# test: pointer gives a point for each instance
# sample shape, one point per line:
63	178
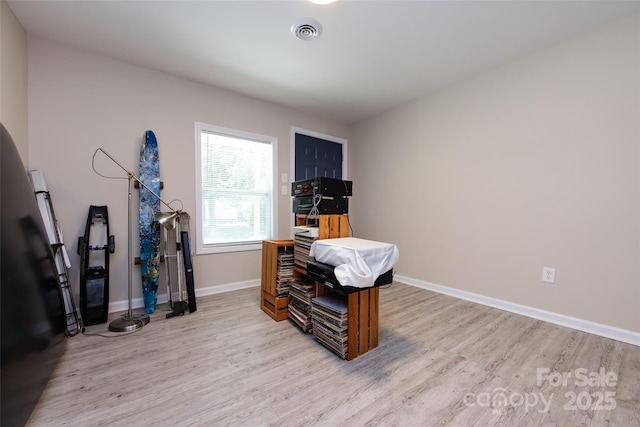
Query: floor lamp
128	321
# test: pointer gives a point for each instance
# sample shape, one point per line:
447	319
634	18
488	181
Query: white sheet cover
358	262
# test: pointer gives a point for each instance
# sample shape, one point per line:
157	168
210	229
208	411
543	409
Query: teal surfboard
149	226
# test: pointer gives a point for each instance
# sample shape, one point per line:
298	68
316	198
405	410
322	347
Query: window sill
218	249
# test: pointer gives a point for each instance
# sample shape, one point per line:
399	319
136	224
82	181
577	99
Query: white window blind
235	191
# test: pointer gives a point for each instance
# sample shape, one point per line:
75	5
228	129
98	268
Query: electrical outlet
548	274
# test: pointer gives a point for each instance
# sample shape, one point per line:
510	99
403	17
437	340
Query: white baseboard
606	331
135	303
211	290
200	292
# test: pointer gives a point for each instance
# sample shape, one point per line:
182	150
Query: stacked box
301	291
301	248
284	273
329	318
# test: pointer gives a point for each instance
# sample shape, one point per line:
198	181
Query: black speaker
94	266
32	311
93	307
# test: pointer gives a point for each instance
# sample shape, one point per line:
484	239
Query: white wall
13	79
80	101
480	185
534	164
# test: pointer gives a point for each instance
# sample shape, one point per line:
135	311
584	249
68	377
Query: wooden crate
329	226
363	307
274	306
363	321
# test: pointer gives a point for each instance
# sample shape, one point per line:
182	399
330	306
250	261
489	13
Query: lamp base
128	323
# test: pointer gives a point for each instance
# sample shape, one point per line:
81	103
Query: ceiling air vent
306	29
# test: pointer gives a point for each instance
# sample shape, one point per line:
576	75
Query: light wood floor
441	361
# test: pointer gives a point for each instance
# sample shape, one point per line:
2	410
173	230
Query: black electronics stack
321	196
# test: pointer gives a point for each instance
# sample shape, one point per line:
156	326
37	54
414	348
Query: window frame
202	248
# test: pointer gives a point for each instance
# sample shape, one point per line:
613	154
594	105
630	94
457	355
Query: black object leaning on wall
32	311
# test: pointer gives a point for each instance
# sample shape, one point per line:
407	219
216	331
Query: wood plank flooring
440	361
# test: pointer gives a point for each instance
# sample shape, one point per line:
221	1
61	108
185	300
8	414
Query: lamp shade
167	219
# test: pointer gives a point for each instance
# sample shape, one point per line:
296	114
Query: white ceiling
371	56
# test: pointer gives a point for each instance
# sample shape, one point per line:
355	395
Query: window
235	189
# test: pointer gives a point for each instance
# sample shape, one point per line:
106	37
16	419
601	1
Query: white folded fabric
358	262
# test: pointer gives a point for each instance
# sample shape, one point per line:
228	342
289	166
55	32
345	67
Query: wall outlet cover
548	274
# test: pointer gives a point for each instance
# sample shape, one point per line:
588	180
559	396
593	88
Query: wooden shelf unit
270	302
363	319
362	305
